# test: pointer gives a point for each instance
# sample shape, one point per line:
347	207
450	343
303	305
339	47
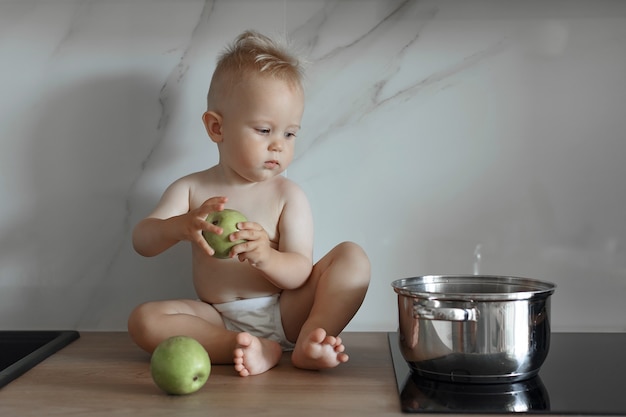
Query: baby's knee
353	252
355	257
139	322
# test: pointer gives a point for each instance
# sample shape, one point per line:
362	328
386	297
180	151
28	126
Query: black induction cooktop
584	374
22	350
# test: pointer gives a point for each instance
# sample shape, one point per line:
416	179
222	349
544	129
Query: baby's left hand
257	249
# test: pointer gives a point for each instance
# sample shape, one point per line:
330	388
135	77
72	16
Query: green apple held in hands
227	219
180	365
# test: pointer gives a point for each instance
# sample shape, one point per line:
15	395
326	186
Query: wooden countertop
105	374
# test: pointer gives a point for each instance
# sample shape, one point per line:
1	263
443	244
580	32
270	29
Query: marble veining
431	128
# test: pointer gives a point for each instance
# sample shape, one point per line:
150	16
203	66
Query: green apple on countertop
227	219
180	365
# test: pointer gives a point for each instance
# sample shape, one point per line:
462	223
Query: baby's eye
290	135
263	131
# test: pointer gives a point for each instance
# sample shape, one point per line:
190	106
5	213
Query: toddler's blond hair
254	53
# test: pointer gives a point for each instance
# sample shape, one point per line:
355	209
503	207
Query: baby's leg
317	312
151	323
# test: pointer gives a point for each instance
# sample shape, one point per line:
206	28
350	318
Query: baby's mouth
271	164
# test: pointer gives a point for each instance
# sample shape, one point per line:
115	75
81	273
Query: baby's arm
288	266
172	221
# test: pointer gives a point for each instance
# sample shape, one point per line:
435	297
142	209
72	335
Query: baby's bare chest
259	206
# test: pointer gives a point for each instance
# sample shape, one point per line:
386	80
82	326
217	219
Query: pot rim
525	288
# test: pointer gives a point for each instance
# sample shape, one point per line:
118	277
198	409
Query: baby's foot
318	351
253	356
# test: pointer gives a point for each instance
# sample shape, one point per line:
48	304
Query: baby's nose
276	146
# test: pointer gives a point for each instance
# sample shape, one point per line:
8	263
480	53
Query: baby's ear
213	125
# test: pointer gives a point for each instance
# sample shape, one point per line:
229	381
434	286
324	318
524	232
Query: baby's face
261	119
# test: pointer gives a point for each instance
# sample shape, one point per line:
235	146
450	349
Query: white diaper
258	316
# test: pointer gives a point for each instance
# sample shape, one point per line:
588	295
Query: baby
268	297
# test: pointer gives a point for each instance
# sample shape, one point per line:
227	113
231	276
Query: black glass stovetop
584	374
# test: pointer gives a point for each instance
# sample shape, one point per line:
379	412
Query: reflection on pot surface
426	395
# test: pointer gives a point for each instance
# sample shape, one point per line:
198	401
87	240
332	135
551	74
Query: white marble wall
432	128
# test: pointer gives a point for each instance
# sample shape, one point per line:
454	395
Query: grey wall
432	128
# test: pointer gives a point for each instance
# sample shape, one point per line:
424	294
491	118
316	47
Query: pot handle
444	313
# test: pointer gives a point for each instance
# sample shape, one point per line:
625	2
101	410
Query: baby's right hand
196	223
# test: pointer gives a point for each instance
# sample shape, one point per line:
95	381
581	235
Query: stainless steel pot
474	328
